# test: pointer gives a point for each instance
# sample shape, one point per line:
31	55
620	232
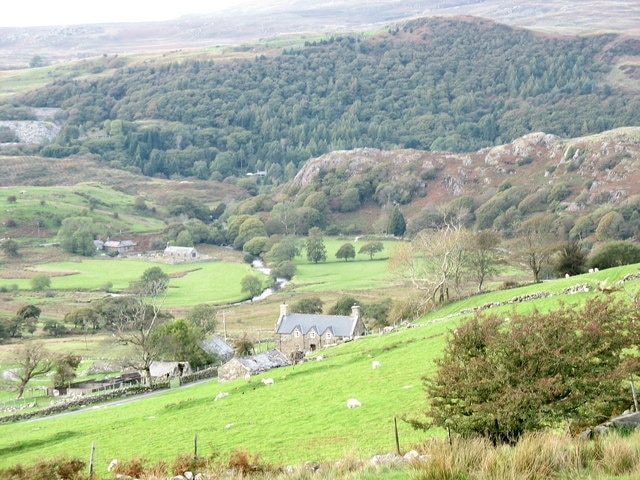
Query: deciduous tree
76	235
65	369
615	254
571	259
482	256
154	282
31	360
371	248
343	305
204	315
180	340
536	242
346	251
252	285
243	345
40	282
316	250
10	248
308	305
433	262
500	378
285	250
135	320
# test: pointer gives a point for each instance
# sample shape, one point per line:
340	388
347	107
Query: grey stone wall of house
231	370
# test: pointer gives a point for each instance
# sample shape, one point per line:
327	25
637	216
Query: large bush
615	254
501	377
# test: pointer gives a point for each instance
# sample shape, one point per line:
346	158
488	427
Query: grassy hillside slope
303	416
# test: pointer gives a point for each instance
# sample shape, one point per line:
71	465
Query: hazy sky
21	13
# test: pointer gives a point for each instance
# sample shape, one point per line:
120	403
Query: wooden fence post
92	459
395	428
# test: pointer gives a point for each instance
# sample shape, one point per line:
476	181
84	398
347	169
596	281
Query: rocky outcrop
32	131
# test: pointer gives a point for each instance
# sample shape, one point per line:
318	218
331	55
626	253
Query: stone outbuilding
169	369
303	332
181	254
244	367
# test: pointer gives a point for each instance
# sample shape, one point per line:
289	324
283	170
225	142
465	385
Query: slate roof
262	362
217	345
339	325
119	243
160	369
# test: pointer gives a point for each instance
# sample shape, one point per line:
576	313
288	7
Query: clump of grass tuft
537	456
62	468
135	468
451	461
620	456
243	462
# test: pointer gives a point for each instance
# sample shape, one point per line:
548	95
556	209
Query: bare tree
433	262
32	360
482	256
536	242
136	321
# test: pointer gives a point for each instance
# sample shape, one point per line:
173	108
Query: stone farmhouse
181	254
302	332
244	367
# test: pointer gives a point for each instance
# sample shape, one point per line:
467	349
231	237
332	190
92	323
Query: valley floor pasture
217	282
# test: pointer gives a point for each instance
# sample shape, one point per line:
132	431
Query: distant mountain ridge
259	21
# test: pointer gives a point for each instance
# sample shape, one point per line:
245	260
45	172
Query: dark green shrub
615	254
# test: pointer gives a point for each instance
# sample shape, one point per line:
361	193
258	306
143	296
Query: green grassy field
360	273
303	416
47	206
303	412
190	284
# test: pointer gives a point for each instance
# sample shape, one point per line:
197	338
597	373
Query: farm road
121	401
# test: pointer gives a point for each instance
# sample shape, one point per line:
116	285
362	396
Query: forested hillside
432	84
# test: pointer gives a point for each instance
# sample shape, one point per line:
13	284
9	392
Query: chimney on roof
284	309
355	312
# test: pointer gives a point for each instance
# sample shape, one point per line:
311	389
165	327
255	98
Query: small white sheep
267	381
220	395
353	403
375	364
566	275
112	465
591	270
596	269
